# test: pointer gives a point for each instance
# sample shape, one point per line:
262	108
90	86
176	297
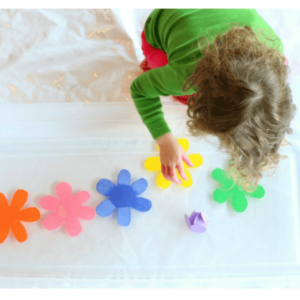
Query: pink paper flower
67	208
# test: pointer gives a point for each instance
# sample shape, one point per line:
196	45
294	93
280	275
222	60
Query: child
235	86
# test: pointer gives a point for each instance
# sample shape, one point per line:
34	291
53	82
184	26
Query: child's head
243	98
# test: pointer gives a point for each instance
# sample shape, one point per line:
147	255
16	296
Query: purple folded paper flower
197	221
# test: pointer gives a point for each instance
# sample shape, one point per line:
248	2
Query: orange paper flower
12	216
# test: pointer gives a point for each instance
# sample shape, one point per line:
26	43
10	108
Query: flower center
61	212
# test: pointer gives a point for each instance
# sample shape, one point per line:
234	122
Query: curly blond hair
243	98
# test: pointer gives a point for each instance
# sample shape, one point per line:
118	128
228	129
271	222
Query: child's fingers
163	169
186	159
181	171
168	173
164	172
173	175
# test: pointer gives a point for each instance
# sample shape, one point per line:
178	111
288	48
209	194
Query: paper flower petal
153	164
4	231
184	143
80	198
30	214
19	231
193	216
186	183
204	217
196	159
64	191
221	196
199	228
105	208
3	202
199	225
162	181
141	204
105	187
53	221
124	177
139	186
239	201
73	226
86	213
19	199
258	193
220	175
187	220
124	216
49	203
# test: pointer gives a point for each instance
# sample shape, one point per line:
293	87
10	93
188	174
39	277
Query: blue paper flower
122	197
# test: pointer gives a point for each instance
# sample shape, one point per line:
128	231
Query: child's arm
145	92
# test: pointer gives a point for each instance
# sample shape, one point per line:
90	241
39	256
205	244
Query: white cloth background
66	115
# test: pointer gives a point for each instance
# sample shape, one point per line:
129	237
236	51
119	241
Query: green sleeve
145	92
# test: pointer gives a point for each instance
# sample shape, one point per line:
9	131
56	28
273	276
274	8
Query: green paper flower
237	194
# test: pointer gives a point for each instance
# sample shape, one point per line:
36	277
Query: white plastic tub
41	150
66	115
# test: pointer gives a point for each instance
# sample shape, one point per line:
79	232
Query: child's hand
171	157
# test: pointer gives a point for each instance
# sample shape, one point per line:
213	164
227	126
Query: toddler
232	77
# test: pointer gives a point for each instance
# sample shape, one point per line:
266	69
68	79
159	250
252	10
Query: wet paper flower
236	193
122	197
153	164
11	216
67	208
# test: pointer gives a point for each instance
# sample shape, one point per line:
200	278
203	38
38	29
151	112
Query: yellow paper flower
153	164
